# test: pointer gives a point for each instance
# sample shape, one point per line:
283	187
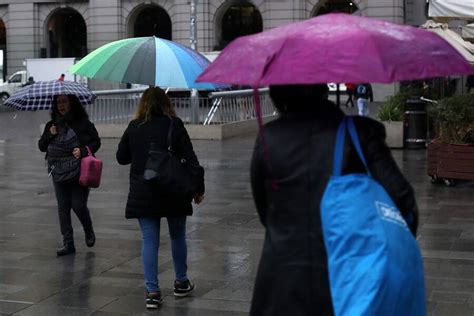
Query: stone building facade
72	28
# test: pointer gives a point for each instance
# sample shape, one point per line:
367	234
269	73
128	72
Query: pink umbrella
335	48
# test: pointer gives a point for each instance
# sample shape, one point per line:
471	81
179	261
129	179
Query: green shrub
392	110
454	119
394	107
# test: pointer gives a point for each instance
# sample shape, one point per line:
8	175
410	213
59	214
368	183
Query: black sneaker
65	250
153	300
183	288
90	239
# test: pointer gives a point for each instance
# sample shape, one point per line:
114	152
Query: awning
443	10
464	47
468	32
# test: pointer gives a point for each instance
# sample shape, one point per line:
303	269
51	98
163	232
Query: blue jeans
363	105
150	227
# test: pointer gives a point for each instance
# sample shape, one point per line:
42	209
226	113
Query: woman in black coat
147	202
292	277
64	140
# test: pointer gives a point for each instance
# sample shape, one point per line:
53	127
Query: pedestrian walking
65	140
30	81
289	173
363	95
149	203
350	88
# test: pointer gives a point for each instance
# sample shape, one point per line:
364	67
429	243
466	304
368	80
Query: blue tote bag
375	266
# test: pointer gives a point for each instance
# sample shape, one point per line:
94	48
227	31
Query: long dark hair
293	98
76	111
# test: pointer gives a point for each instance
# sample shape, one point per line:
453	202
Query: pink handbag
91	170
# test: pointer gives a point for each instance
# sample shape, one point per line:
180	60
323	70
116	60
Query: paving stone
224	236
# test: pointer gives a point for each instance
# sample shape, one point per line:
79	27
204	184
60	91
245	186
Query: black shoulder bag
170	174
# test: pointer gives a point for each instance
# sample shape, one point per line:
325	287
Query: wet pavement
224	236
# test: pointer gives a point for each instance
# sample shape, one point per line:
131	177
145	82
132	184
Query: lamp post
192	21
193	41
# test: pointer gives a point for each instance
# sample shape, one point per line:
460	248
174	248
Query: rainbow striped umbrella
146	60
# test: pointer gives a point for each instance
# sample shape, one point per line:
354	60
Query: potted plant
391	115
451	154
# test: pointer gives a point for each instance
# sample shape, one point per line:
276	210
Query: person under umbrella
294	257
288	181
155	121
30	81
64	140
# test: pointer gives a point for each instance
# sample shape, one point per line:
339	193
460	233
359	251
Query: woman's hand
76	153
53	130
198	198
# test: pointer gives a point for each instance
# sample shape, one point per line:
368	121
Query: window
15	79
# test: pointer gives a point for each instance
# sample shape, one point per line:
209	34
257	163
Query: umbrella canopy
444	10
468	32
335	48
39	96
145	60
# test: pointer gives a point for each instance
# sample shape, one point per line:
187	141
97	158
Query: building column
105	23
105	26
21	41
389	10
276	12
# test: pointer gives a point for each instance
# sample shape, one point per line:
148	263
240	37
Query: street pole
192	21
193	40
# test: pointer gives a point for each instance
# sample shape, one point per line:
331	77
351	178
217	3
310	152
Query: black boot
90	239
65	250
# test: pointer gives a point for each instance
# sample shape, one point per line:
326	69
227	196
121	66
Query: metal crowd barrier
237	105
118	106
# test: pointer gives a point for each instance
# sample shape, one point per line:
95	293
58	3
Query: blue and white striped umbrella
39	96
146	60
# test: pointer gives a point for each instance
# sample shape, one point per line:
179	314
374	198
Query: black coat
292	277
144	200
85	131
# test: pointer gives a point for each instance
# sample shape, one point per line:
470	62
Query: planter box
394	132
450	161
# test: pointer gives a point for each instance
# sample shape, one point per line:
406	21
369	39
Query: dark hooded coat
144	200
292	277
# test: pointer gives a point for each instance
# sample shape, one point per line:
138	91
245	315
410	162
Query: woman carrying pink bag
69	141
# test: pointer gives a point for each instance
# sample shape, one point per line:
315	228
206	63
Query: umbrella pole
194	93
338	95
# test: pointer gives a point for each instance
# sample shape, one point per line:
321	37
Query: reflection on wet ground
224	236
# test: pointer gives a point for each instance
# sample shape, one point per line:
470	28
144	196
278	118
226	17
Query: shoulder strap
339	148
89	152
346	123
170	134
356	142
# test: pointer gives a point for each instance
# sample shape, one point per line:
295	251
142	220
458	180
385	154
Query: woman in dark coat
292	277
148	203
64	140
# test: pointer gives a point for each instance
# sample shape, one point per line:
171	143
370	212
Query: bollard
415	124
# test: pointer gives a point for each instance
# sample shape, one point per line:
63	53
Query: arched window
67	34
333	6
152	20
239	20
